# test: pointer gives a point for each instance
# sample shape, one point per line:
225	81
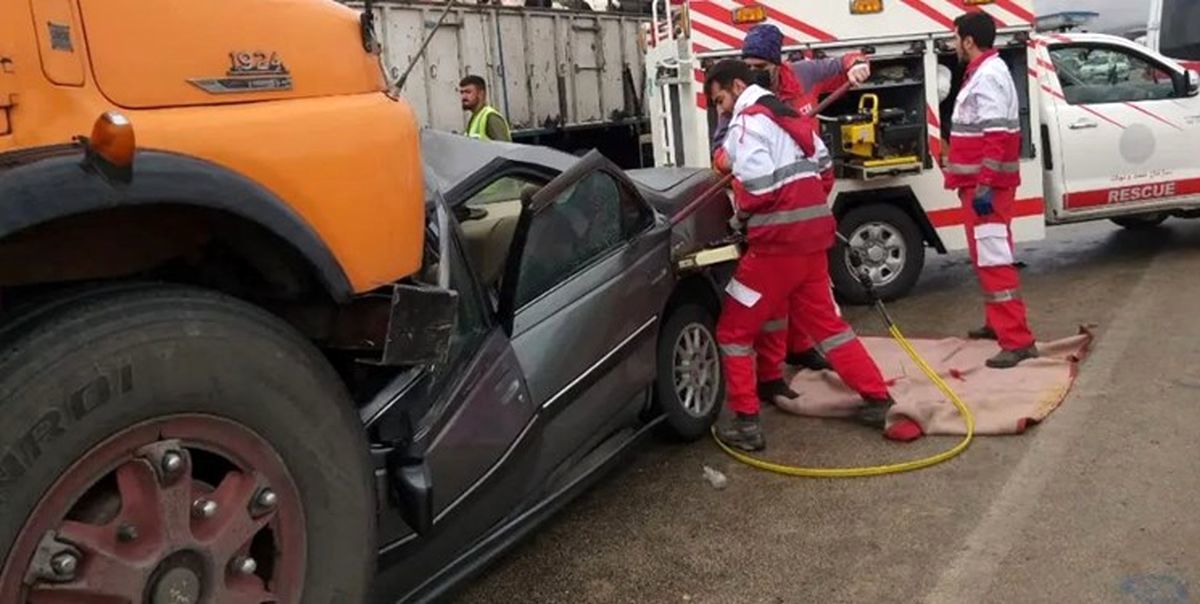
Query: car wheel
1140	221
690	386
890	245
169	444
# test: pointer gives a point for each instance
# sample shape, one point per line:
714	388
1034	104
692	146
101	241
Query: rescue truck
1109	127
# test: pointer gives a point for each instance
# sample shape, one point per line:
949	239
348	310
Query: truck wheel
690	385
165	444
1140	221
890	245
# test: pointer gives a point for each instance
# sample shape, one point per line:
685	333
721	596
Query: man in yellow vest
486	122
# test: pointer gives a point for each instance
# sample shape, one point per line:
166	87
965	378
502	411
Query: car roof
451	159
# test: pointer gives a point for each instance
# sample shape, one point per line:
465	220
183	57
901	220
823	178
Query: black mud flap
420	326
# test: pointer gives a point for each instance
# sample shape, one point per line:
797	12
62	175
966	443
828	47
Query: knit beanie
764	42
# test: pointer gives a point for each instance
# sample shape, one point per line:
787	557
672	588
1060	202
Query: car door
582	293
463	429
1123	129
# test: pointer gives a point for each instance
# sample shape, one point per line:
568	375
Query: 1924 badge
249	72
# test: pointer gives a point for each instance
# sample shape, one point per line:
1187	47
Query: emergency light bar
755	13
866	7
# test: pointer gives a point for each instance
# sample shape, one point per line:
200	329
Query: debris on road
715	478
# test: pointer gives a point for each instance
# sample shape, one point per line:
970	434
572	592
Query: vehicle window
489	223
583	223
1091	75
503	190
1180	39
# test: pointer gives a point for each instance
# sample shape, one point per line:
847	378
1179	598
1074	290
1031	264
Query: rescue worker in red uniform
799	85
780	195
984	167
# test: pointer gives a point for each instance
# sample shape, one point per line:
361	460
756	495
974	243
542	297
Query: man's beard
762	77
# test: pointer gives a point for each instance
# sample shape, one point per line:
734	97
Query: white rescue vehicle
1110	128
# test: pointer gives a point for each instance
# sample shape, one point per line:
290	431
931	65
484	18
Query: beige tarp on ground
1004	401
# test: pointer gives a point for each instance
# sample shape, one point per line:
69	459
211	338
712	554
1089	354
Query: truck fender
39	187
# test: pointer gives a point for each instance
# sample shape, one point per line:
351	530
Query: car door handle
1082	123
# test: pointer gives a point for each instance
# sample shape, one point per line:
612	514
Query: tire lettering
16	461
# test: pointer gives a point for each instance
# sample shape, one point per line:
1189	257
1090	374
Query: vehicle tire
1140	221
167	440
892	248
691	397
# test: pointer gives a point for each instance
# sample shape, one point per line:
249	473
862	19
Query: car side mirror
1192	82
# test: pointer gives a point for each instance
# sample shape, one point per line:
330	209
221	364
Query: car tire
1140	221
687	340
889	232
125	394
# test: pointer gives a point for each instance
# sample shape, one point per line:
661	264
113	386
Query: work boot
982	333
744	432
873	412
767	391
808	359
1009	358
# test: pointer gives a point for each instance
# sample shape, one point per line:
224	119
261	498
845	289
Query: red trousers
990	241
766	288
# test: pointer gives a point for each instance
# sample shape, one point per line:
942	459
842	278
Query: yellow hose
906	466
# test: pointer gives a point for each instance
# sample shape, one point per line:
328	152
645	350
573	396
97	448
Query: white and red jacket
782	176
985	138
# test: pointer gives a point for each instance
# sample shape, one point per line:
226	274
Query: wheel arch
47	193
902	197
700	288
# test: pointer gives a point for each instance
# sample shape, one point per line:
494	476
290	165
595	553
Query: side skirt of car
510	532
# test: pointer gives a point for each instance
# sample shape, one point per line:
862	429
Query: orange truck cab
213	233
269	115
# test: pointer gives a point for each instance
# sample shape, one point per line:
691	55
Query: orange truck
211	214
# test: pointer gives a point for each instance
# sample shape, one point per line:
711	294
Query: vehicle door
460	426
582	293
1125	129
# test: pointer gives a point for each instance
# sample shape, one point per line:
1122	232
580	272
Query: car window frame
592	162
1178	80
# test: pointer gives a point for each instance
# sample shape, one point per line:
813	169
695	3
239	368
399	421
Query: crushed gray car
575	336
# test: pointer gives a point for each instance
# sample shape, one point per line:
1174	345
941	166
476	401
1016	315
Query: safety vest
785	202
477	127
985	135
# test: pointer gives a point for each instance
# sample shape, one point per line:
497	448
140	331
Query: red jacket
780	184
801	85
985	137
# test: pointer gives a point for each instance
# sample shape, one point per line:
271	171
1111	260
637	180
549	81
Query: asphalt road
1097	504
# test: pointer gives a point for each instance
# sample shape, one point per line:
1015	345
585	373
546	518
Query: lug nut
266	499
126	533
243	565
64	565
172	462
204	508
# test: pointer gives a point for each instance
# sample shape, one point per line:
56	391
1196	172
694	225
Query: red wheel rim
185	509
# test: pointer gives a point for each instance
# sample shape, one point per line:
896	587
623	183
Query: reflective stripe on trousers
1006	295
1002	166
775	325
832	342
737	350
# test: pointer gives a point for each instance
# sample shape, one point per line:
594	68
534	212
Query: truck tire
1140	221
891	245
690	386
165	442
